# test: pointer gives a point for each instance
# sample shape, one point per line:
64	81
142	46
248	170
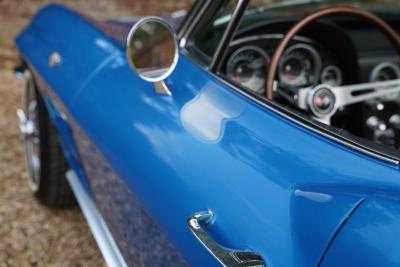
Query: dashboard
340	60
304	63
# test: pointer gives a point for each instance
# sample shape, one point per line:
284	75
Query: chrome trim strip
96	223
330	135
309	125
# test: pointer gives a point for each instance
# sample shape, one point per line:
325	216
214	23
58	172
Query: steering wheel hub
322	101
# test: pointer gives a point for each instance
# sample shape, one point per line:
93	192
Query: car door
274	187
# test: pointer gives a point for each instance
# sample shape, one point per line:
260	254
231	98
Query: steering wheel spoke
351	94
323	101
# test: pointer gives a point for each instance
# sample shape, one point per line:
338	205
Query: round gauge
331	75
385	72
300	66
247	66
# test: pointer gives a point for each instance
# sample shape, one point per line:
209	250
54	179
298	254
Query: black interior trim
341	136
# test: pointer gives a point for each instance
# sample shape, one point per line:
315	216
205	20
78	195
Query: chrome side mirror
152	51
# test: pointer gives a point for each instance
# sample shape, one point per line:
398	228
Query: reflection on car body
245	133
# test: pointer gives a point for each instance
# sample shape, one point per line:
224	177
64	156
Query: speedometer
247	66
299	67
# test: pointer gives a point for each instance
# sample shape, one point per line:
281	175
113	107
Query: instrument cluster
302	65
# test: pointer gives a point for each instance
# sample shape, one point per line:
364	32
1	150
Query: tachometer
247	66
299	67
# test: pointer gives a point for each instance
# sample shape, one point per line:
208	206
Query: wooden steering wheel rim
273	66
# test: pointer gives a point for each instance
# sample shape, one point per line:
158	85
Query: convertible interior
336	62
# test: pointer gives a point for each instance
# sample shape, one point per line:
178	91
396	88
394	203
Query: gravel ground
30	234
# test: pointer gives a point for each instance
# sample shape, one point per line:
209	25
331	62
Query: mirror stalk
162	88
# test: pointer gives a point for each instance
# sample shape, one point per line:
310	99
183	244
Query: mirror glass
152	49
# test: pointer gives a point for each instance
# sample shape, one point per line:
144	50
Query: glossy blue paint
61	124
246	172
275	187
66	138
139	237
56	29
370	238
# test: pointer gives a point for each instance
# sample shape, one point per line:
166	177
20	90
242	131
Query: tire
46	162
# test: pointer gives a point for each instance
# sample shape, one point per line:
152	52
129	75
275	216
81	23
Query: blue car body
149	162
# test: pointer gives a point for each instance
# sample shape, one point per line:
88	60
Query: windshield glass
271	4
211	28
301	7
209	32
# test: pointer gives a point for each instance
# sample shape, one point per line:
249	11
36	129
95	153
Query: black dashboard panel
301	49
338	52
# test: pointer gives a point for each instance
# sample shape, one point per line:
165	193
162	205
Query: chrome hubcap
29	129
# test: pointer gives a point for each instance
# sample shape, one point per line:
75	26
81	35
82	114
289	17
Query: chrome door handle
227	257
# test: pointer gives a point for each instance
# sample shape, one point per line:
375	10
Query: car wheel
46	163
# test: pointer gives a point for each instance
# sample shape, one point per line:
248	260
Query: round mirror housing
152	49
